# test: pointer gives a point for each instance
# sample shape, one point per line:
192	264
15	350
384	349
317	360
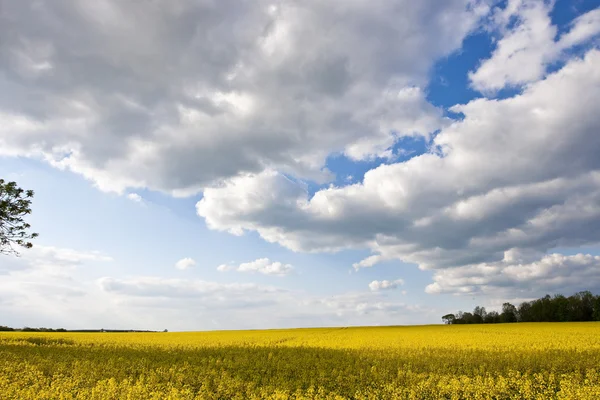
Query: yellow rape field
504	361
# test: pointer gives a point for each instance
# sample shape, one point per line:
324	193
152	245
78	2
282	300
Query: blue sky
323	164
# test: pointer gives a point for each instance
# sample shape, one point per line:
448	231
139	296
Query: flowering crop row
512	361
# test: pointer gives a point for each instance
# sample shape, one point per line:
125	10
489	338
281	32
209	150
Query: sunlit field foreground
506	361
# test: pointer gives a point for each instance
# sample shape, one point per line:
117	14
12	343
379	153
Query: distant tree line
28	329
582	306
6	329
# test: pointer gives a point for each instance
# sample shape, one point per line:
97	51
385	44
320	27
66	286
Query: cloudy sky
204	164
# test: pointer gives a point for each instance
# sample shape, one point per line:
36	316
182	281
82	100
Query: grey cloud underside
515	175
553	273
175	95
187	96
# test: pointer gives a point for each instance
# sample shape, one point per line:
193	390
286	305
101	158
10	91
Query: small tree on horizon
15	204
449	319
509	313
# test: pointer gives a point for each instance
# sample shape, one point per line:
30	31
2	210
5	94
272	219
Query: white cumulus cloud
135	197
134	95
185	263
262	265
385	284
529	45
521	172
